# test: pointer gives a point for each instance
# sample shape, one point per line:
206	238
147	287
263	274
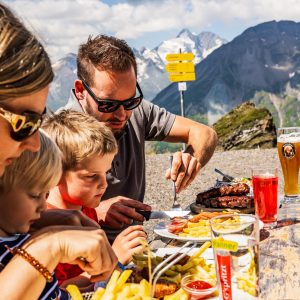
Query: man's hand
117	211
68	217
201	140
185	167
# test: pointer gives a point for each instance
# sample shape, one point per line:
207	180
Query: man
107	88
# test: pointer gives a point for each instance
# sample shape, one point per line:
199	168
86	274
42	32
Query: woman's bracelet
34	262
121	266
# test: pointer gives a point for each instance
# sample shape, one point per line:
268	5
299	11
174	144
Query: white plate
162	230
177	213
242	226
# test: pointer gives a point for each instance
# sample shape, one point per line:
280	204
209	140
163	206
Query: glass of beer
265	193
288	145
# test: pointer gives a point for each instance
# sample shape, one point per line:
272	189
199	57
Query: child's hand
128	242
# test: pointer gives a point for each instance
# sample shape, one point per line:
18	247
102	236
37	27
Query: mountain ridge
264	58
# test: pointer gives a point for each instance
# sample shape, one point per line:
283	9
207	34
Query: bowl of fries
198	287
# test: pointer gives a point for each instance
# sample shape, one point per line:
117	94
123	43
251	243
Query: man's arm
201	140
119	211
68	217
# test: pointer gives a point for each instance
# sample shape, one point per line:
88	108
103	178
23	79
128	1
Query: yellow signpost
180	56
181	69
182	77
187	67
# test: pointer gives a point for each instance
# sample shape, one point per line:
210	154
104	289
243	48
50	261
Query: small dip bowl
198	287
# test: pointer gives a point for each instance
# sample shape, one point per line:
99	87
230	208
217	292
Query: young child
24	188
88	148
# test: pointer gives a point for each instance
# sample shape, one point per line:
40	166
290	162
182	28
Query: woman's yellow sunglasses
24	125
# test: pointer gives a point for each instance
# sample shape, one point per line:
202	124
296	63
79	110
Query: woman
25	75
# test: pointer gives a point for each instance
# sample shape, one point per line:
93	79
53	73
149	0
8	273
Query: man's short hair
31	170
79	136
106	53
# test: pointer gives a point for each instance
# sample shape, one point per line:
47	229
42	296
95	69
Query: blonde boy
24	188
88	148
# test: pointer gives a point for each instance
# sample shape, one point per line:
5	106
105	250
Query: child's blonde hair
79	136
41	169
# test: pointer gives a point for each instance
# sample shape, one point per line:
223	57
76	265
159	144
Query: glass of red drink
265	191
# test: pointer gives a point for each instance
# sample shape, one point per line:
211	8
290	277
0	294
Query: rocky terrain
237	163
246	127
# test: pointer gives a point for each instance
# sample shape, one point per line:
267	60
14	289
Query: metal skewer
166	264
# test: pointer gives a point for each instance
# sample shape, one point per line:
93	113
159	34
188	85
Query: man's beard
117	132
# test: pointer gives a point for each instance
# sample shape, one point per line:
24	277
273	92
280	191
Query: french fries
206	216
247	284
196	265
74	292
198	226
202	249
247	280
98	294
180	294
115	284
119	289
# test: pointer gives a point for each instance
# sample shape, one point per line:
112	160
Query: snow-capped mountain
151	63
152	75
201	45
261	65
65	73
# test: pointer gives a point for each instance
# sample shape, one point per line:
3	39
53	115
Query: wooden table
279	258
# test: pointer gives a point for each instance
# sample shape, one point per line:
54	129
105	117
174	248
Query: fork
176	205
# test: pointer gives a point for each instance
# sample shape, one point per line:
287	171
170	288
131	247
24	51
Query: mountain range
152	75
151	63
64	75
261	65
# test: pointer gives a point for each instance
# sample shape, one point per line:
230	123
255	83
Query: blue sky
64	24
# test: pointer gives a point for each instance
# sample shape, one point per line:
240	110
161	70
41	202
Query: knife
165	214
230	178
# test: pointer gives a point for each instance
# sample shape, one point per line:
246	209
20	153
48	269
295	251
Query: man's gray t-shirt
148	122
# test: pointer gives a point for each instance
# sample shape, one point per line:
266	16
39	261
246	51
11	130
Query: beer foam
266	175
289	138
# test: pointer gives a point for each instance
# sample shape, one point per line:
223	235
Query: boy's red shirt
67	271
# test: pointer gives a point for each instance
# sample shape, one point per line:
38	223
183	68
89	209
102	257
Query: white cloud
64	24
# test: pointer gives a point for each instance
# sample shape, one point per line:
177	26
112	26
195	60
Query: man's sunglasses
108	105
24	125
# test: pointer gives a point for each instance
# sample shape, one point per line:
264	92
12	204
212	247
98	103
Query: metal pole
182	107
182	112
181	103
